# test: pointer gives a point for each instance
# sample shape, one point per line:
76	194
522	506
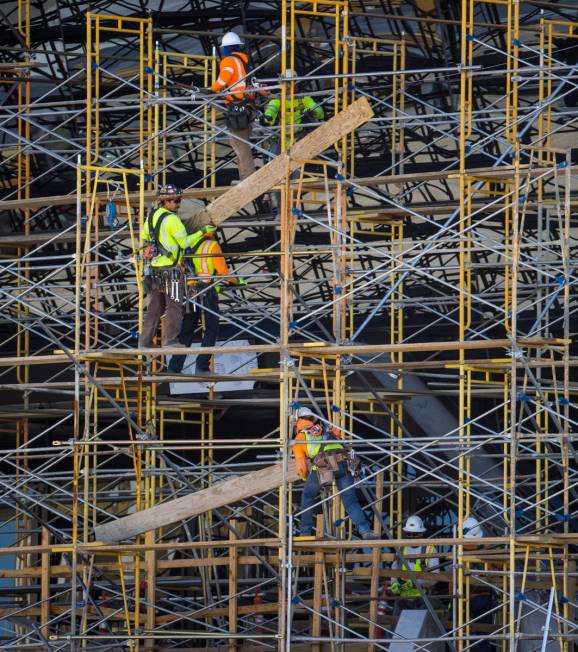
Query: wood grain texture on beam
199	502
274	172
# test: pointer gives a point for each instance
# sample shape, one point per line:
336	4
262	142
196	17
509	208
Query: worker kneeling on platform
321	459
407	590
164	239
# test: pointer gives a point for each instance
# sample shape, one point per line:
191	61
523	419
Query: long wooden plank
219	495
274	172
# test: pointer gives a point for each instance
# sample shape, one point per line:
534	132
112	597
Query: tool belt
170	281
326	463
239	115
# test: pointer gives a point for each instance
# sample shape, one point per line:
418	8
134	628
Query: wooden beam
199	502
274	172
233	600
45	585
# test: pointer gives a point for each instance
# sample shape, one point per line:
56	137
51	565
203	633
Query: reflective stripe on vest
204	264
172	250
417	563
314	444
239	83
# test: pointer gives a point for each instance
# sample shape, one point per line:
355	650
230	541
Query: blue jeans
351	505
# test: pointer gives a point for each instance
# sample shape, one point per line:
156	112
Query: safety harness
154	248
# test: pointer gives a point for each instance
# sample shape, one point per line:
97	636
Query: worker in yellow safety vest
208	267
301	110
319	447
406	589
164	239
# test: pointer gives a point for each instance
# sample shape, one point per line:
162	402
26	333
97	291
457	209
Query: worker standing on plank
164	239
207	263
302	110
320	447
406	589
232	80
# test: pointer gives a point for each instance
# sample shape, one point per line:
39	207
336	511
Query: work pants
242	150
401	604
344	482
209	309
275	148
480	604
159	301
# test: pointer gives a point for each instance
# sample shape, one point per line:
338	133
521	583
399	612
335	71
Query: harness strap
154	229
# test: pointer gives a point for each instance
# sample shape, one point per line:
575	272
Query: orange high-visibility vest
208	261
232	73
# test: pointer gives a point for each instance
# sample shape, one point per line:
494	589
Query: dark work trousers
159	301
209	309
311	495
406	603
480	604
275	148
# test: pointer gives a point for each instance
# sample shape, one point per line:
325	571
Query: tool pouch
326	464
150	251
324	476
238	116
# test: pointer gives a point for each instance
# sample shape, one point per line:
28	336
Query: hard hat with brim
231	38
414	525
169	191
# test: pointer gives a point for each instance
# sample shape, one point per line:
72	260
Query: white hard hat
231	38
414	524
472	528
304	412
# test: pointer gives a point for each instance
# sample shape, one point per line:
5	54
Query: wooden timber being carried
199	502
275	171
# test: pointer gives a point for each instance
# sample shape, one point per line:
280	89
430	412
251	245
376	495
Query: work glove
302	467
395	588
241	281
209	229
408	585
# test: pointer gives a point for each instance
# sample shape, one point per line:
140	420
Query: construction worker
481	598
302	110
472	530
320	448
406	589
207	262
232	80
164	238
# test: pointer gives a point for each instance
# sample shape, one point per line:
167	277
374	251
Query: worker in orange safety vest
232	80
209	265
314	440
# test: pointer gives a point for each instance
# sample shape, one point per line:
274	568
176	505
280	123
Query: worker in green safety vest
406	589
301	110
164	238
